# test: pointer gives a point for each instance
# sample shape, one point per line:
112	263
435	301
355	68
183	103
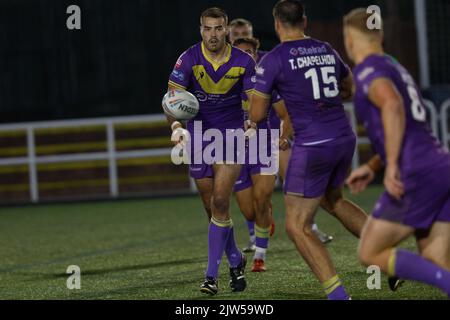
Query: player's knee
365	256
290	230
221	203
298	228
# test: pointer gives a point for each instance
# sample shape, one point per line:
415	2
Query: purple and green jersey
306	74
424	162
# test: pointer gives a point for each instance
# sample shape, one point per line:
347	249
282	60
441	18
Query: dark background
119	62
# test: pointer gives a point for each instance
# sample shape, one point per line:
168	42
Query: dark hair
289	12
240	22
214	12
251	41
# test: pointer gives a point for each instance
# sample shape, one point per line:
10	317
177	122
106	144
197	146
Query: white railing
445	117
32	160
349	108
112	155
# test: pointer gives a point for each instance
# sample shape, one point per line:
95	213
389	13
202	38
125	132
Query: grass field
157	249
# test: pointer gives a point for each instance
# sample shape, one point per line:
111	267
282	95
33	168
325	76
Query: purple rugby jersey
218	88
261	54
424	162
420	148
306	73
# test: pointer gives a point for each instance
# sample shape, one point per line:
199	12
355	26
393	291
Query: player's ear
348	41
276	24
305	22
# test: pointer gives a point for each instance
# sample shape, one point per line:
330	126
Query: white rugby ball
180	104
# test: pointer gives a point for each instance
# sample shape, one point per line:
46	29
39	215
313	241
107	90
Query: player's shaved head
357	19
290	13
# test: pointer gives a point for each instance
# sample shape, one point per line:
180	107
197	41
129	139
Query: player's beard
215	45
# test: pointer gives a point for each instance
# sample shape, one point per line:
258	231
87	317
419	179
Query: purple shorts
203	154
248	169
244	180
201	171
314	168
426	200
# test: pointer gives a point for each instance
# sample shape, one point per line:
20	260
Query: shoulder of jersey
240	53
362	71
192	49
271	52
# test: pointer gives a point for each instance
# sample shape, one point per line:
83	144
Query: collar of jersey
216	65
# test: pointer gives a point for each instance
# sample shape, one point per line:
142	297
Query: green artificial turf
157	249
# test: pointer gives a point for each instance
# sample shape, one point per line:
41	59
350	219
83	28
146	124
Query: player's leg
284	160
309	174
349	214
435	244
378	247
284	156
221	231
243	193
245	202
299	218
205	189
262	193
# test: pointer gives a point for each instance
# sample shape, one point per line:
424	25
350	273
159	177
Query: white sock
260	253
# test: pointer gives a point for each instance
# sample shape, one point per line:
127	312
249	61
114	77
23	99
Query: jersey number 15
328	78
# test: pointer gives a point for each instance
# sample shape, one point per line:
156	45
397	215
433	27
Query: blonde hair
358	18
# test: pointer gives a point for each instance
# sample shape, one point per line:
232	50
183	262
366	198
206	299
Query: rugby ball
180	104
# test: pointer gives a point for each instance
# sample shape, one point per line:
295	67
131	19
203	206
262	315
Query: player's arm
259	106
261	96
179	79
346	84
286	126
257	111
383	94
360	178
179	135
347	87
173	123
